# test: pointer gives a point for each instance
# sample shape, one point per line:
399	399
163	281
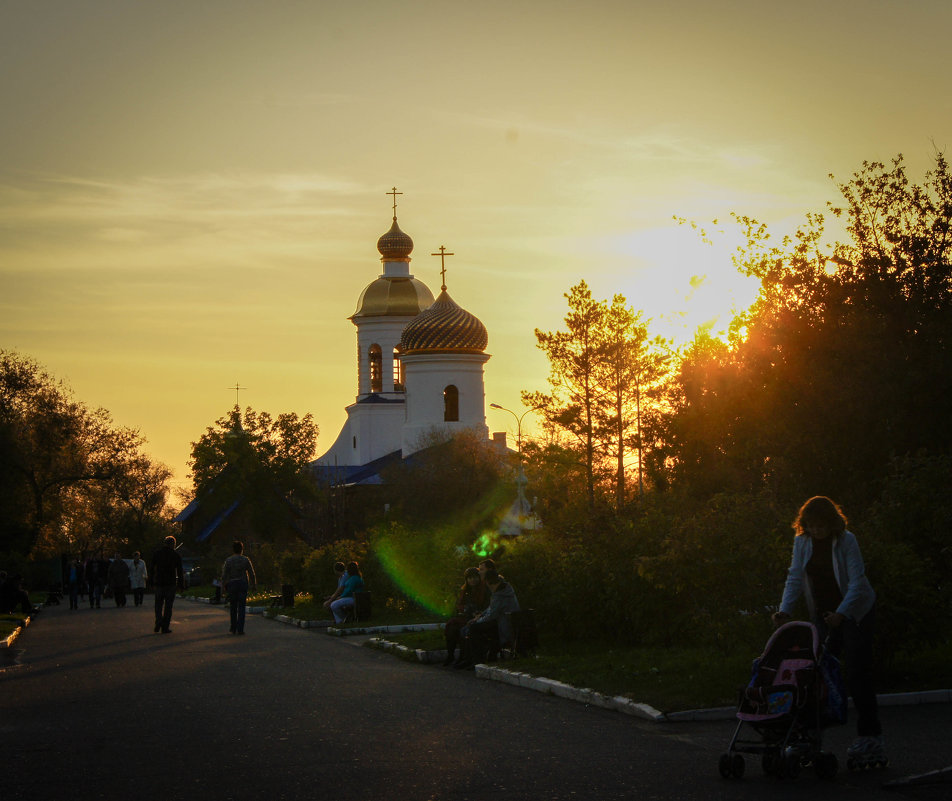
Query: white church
419	370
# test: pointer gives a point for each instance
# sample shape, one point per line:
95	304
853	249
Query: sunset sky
191	192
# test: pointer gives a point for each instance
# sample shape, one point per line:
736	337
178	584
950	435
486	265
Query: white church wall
372	430
427	376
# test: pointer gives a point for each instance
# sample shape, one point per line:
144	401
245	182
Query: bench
525	637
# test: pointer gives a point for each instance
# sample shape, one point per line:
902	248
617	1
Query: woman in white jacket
138	574
827	569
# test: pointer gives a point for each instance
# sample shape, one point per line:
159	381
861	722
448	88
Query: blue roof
206	532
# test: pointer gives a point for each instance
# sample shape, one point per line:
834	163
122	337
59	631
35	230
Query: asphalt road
94	705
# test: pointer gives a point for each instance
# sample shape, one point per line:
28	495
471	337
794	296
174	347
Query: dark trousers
479	639
164	598
74	595
237	595
452	632
137	595
853	643
120	596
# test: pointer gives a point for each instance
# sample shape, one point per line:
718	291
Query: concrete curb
582	695
364	630
404	652
540	684
7	641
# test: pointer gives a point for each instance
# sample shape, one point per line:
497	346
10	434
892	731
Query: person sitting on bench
12	595
492	626
343	604
473	599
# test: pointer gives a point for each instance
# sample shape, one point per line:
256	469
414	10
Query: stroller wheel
826	765
737	766
724	766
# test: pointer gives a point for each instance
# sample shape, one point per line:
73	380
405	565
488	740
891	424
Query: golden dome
444	327
395	245
398	296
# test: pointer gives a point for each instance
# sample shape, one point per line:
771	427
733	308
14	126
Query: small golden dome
444	327
395	245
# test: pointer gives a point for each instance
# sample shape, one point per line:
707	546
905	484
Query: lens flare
427	564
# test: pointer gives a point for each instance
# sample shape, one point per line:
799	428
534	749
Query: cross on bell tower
443	254
394	192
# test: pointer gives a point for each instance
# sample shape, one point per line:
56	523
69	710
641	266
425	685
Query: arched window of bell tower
397	371
450	404
375	361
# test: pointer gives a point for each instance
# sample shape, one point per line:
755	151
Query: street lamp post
518	423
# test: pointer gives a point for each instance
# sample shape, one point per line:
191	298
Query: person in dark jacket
492	626
74	580
473	599
96	570
118	577
166	574
12	595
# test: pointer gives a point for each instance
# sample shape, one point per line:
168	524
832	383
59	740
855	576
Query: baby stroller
795	691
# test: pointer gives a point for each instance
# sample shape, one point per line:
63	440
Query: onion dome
395	245
389	296
444	328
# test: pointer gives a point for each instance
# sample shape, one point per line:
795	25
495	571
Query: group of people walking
99	577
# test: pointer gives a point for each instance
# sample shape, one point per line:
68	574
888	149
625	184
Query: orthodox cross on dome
236	388
394	192
443	254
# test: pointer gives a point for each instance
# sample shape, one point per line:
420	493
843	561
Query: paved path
100	707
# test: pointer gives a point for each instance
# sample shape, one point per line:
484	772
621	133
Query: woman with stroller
827	569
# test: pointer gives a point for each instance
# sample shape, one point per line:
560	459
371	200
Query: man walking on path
166	572
237	575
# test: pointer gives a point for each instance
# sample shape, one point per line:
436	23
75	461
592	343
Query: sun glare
682	283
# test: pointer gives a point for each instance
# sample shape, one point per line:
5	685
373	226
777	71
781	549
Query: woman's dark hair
471	572
339	567
353	569
237	546
820	511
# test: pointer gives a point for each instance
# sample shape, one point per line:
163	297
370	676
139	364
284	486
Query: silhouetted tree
629	370
258	459
604	369
55	452
573	357
844	360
